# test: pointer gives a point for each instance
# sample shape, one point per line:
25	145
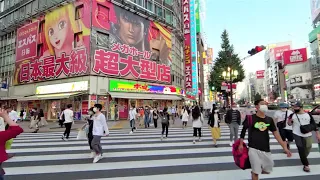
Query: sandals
306	169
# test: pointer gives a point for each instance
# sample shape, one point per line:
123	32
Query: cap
298	104
283	105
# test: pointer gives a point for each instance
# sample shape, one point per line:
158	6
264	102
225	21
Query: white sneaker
194	141
131	132
161	138
97	158
92	154
231	143
200	139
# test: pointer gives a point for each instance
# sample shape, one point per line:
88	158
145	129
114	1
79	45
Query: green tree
257	96
226	58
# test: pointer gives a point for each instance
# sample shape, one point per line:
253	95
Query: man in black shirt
259	140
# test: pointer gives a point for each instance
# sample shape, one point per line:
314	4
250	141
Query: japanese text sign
27	39
260	74
295	56
279	50
126	61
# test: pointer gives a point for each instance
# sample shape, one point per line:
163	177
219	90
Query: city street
143	156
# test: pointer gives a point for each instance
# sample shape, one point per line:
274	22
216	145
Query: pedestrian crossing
142	156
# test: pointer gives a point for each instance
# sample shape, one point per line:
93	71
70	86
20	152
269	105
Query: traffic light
256	50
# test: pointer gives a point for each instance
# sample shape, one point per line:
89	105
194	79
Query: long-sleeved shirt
99	125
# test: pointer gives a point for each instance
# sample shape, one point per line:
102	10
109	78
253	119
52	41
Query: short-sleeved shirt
281	115
258	132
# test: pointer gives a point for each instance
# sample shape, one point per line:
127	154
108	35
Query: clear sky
257	22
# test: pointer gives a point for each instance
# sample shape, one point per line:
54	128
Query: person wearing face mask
259	140
100	129
281	116
302	126
132	117
233	119
90	129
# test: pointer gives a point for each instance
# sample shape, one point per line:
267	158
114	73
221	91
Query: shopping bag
82	135
8	144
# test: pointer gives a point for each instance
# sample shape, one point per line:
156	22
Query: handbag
283	124
82	135
8	144
308	127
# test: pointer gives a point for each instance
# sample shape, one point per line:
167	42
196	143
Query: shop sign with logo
295	56
61	88
142	87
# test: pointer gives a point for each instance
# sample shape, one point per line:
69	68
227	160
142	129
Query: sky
257	22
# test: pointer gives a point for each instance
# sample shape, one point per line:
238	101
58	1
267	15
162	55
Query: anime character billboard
60	40
137	48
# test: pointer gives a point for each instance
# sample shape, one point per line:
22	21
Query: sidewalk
122	124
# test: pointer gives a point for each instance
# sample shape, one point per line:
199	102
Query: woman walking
89	127
155	116
197	121
165	122
214	123
43	122
185	117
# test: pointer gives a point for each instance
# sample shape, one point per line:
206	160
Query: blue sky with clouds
257	22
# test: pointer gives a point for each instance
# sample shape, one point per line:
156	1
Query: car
315	112
308	108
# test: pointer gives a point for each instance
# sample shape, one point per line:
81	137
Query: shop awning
10	98
143	96
49	96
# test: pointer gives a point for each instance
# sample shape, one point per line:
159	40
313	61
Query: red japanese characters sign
128	62
295	56
260	74
279	50
27	39
50	67
187	50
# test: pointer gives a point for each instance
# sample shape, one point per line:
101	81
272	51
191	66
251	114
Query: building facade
118	53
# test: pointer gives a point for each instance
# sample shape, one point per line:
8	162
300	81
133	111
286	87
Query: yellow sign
63	88
211	96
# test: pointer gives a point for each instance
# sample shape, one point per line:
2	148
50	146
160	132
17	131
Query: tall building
118	53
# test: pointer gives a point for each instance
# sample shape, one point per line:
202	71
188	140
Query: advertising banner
197	7
300	79
295	56
210	55
116	85
187	50
27	38
193	42
279	50
260	74
129	46
63	45
315	9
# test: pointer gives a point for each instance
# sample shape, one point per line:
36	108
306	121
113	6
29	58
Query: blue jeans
1	177
146	122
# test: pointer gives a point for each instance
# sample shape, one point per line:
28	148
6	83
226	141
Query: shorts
260	161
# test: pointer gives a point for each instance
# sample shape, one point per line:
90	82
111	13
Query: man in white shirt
13	115
68	116
132	117
281	116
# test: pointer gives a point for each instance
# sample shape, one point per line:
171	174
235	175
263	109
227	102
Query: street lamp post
228	75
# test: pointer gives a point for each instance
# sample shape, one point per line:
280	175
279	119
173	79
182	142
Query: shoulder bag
283	124
305	129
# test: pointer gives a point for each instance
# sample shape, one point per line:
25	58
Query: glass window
77	39
158	10
79	12
168	16
149	5
2	6
102	39
169	2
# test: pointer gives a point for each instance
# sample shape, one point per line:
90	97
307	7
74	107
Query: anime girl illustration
59	29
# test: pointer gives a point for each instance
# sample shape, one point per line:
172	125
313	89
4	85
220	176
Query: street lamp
229	76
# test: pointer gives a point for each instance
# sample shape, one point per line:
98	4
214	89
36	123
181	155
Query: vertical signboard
27	38
193	41
187	48
198	16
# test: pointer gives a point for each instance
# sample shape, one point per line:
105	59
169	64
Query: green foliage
226	58
241	101
257	97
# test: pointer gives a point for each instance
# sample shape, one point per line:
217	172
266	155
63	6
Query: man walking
259	140
68	116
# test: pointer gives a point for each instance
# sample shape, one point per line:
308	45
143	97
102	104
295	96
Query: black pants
286	135
61	123
165	127
90	137
304	145
68	129
184	123
155	122
195	130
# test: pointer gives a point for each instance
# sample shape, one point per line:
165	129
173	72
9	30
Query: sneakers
131	132
92	154
200	139
97	158
161	137
231	143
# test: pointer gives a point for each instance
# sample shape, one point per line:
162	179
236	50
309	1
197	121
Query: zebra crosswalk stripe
142	156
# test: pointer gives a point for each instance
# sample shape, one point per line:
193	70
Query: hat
283	105
298	104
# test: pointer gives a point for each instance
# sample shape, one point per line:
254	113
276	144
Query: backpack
164	118
241	159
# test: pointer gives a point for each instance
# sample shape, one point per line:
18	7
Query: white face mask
283	109
90	112
95	109
263	108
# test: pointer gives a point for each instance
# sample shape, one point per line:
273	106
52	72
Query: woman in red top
13	131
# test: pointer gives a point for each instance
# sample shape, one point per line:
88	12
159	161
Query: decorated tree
226	58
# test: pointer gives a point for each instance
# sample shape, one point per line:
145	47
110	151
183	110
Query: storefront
52	99
124	93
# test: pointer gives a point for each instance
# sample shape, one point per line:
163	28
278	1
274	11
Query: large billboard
260	74
129	46
315	9
295	56
55	45
279	50
194	52
187	47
